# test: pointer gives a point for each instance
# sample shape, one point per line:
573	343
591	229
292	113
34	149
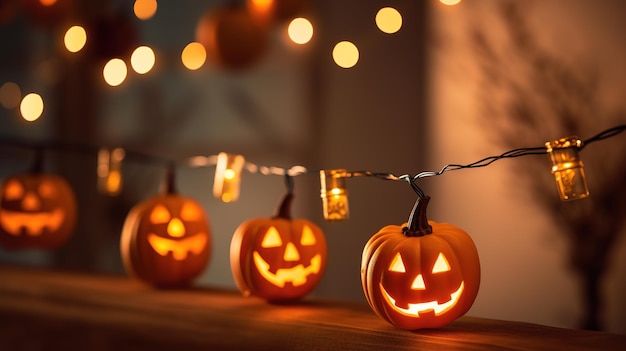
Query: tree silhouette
529	94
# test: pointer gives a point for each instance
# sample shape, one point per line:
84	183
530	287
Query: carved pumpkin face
36	211
166	240
420	281
277	258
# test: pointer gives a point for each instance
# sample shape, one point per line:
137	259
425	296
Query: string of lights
567	169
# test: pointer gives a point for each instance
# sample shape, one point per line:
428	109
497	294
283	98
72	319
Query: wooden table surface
50	310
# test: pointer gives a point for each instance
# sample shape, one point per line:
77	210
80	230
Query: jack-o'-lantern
166	240
233	39
421	274
279	258
37	210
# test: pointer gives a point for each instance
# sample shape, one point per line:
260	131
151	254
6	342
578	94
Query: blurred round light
300	30
75	38
450	2
193	56
142	59
115	72
31	107
388	20
10	95
145	9
345	54
47	2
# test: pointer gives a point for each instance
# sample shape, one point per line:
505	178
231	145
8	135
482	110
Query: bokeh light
145	9
345	54
389	20
75	38
193	56
300	30
10	95
47	2
450	2
31	107
115	72
142	60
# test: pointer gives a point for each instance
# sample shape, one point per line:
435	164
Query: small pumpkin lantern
166	240
37	211
278	258
233	39
421	274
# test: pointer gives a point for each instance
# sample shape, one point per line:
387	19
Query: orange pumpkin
166	240
37	210
233	39
421	274
279	258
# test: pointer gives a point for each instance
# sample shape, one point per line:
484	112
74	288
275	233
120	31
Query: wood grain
52	310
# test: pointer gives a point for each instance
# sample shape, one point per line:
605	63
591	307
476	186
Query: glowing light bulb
450	2
300	30
110	170
567	168
142	59
75	39
345	54
193	56
115	72
388	20
334	194
145	9
31	107
227	176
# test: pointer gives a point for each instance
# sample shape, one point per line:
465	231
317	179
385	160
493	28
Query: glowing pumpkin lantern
279	258
421	274
37	210
166	240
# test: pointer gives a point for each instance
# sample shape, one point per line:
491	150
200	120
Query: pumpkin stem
170	179
38	161
418	223
284	210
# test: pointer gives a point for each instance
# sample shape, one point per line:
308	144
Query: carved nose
291	253
176	228
31	202
418	283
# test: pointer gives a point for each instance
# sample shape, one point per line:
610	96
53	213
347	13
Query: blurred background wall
447	88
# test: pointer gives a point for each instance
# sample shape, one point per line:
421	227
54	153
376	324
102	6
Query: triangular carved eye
308	238
397	265
159	215
441	264
272	238
13	190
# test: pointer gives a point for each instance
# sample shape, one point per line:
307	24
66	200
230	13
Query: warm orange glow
227	176
418	283
300	30
414	309
159	215
308	238
191	212
297	275
10	95
441	264
450	2
389	20
397	265
31	107
567	168
176	228
109	170
345	54
75	39
334	195
193	56
271	238
291	253
145	9
142	59
195	244
47	2
115	72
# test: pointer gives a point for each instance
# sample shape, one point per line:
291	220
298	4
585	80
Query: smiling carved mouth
32	222
178	248
414	309
296	275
